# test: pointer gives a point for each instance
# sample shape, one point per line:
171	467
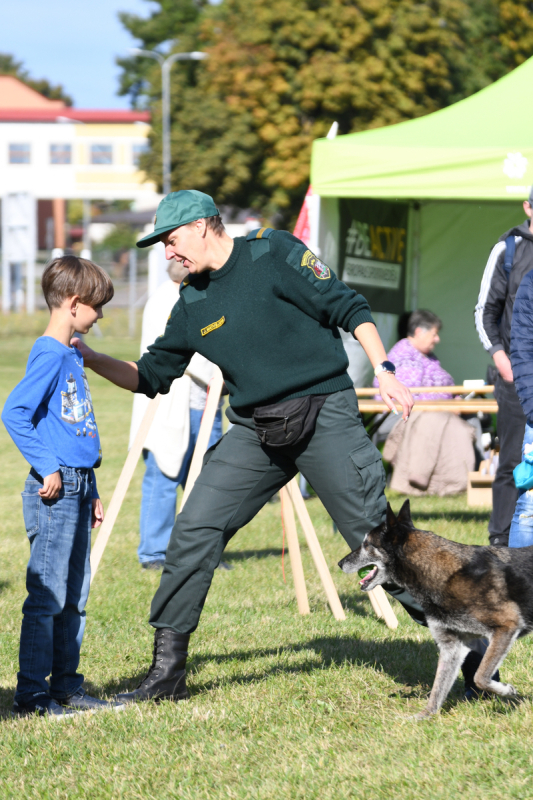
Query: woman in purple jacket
413	357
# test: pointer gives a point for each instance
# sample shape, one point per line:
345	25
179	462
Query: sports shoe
42	705
157	563
81	701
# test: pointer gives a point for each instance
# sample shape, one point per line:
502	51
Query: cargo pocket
367	462
31	502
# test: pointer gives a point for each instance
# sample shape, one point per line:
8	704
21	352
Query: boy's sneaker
42	705
81	701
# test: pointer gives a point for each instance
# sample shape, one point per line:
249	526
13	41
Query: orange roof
15	94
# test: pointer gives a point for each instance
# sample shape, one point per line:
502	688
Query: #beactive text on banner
373	250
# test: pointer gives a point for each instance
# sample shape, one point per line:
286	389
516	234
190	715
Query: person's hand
87	353
503	365
98	513
389	388
51	486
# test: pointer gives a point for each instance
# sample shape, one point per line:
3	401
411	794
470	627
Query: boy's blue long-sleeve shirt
49	415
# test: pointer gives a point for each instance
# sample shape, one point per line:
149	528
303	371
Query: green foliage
75	212
280	72
122	237
9	66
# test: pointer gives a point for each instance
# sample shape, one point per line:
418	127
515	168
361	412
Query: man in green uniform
267	311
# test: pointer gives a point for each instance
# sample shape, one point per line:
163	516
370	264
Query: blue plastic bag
523	474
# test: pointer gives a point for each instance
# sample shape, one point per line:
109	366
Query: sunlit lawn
282	705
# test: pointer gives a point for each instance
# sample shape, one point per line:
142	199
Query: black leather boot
166	677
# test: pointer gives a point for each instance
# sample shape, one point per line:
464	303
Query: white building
50	153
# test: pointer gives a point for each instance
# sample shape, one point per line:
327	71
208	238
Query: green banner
373	242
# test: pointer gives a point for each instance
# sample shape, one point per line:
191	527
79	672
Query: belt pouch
288	422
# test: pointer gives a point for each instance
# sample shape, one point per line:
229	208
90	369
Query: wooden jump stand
291	500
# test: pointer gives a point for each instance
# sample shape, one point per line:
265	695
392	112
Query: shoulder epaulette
259	233
193	293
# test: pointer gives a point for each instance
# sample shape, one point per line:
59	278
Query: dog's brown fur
466	591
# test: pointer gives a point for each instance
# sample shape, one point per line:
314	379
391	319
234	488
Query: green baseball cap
179	208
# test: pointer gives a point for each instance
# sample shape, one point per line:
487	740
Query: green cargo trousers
240	475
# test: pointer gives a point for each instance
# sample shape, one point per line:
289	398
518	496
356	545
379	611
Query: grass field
282	706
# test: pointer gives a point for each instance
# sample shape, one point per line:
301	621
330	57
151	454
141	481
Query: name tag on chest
213	326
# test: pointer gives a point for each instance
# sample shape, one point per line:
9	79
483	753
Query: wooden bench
487	406
479	485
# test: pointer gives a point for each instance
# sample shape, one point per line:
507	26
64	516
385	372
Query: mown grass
282	705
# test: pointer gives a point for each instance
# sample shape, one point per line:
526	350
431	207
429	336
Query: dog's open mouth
369	577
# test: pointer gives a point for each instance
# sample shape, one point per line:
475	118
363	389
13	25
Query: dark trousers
511	424
240	475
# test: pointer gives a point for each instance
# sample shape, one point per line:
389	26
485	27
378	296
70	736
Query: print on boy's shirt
77	406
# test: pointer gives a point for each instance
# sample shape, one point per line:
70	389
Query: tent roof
480	148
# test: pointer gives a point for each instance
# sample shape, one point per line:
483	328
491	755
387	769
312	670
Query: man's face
187	245
528	208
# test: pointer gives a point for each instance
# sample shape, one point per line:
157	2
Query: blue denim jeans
158	504
521	533
57	580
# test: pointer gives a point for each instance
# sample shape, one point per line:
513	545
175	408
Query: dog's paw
507	690
422	716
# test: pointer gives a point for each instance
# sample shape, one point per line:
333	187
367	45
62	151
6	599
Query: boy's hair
69	275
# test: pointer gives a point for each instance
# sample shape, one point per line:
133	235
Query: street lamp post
166	65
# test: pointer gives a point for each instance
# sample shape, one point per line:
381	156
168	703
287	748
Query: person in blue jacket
50	417
521	533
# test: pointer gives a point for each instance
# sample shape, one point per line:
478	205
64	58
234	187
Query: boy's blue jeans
521	533
57	580
158	505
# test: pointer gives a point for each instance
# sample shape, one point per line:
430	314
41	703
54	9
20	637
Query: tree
9	66
281	71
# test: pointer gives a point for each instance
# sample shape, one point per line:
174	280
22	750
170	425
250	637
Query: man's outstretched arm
122	373
389	386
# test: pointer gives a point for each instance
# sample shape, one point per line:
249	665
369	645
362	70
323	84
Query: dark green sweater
268	318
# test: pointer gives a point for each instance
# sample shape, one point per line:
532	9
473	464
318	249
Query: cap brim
155	237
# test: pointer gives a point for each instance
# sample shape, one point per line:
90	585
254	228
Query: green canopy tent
409	213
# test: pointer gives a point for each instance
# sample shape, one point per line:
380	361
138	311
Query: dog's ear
391	518
404	517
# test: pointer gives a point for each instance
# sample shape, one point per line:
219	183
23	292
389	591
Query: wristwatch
385	366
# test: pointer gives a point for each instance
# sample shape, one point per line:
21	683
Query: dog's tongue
367	574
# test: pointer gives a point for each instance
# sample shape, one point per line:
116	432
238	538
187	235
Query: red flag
302	228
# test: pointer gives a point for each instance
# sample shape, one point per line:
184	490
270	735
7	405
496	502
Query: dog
466	592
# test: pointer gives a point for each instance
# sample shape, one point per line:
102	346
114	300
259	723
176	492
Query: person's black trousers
511	424
240	475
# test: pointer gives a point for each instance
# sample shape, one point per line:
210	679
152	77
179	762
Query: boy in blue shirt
50	417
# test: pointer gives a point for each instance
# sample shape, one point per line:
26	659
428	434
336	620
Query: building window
19	153
101	154
60	154
138	150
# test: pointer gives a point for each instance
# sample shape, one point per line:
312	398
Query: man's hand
389	388
122	373
503	365
51	486
98	513
86	351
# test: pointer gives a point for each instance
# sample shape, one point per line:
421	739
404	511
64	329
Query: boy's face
86	316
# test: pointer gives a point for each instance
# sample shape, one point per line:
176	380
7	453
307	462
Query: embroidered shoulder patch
213	326
320	270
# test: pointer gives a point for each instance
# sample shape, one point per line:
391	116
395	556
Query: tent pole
415	255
